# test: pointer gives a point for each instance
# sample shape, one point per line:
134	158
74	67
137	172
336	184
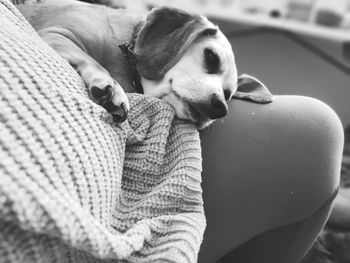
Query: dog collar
128	50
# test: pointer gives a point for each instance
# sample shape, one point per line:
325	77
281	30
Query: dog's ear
250	88
164	37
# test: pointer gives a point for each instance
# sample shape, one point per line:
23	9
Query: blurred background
299	47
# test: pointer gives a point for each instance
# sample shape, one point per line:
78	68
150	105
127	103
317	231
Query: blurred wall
287	68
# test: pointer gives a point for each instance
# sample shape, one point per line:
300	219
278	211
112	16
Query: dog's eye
212	61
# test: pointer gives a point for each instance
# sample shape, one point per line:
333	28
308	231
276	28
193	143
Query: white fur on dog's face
188	83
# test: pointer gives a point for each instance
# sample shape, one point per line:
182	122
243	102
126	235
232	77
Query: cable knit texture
75	186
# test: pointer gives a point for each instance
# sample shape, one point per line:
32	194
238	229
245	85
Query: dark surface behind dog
333	245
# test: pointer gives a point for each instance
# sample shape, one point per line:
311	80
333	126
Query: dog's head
186	60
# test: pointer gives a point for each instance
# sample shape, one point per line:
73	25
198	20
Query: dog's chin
185	111
202	125
196	117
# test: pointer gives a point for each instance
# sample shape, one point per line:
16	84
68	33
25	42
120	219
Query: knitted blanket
74	185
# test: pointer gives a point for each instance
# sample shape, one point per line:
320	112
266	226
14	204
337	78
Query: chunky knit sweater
74	185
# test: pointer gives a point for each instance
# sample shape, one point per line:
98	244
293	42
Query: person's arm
267	166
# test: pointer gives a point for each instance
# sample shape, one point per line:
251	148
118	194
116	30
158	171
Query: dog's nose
219	107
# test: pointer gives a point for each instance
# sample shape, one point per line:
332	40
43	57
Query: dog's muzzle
214	108
219	107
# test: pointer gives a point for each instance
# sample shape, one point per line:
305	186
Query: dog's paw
109	94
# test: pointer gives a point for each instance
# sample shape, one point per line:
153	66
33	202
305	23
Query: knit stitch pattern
74	185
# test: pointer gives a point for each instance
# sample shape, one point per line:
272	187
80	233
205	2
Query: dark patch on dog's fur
165	36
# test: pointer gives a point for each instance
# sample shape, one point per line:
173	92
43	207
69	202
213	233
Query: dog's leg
104	90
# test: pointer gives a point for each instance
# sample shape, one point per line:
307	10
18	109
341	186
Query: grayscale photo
179	131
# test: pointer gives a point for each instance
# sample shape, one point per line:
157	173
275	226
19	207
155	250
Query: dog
181	58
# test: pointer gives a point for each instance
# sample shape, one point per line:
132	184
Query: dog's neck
128	50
